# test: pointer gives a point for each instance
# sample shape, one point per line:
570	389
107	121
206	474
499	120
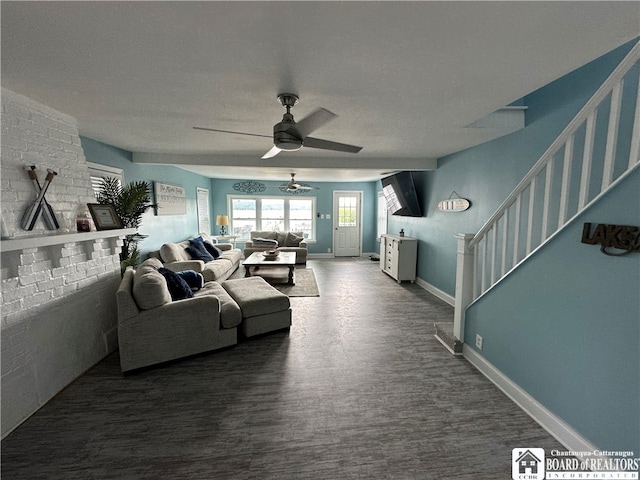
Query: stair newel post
464	283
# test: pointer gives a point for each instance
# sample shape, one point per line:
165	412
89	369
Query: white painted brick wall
46	274
33	134
58	302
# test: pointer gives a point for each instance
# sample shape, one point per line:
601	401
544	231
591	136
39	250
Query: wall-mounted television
400	193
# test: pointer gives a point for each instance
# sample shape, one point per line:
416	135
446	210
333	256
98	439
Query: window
382	214
97	172
347	211
281	214
272	214
204	218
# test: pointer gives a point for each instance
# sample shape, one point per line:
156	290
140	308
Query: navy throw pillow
178	288
194	279
196	250
214	251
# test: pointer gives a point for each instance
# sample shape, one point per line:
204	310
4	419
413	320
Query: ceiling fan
294	186
291	136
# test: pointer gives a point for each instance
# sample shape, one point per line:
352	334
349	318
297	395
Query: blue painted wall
163	229
159	228
487	173
566	327
324	204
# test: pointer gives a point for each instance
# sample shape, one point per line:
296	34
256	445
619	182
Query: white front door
347	235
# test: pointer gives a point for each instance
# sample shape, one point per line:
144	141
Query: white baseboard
331	255
319	255
436	291
553	424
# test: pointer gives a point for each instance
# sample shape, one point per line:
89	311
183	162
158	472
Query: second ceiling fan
289	135
294	186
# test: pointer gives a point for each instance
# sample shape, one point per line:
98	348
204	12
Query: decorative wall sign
454	204
614	240
170	199
249	186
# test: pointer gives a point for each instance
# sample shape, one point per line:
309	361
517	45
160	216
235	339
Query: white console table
225	239
398	257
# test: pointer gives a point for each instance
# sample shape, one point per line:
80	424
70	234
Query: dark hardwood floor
358	389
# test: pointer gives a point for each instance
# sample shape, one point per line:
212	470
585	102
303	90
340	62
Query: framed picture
104	216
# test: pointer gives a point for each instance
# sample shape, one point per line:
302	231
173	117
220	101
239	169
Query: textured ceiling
405	78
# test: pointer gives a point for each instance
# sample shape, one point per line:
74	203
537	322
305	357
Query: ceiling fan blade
327	145
271	153
306	187
313	121
230	131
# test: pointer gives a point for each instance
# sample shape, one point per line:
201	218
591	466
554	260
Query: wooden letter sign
624	238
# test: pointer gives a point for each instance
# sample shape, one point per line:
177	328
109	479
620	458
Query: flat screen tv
400	193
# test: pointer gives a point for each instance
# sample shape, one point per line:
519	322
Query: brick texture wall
58	301
33	134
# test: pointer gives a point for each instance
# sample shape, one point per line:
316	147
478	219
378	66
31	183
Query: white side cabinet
398	257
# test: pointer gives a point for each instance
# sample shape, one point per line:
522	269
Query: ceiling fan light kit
290	136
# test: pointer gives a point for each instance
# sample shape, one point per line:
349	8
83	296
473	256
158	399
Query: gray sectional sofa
153	328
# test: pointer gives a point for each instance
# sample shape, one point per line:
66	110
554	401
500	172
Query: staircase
593	154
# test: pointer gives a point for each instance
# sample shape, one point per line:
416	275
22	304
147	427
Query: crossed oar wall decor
40	205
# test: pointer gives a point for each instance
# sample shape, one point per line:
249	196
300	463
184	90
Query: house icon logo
527	464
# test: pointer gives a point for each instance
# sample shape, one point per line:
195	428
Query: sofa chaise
282	241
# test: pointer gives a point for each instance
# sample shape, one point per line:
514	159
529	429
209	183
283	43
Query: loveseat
176	257
153	328
282	241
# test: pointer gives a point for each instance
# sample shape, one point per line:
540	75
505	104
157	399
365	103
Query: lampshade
222	220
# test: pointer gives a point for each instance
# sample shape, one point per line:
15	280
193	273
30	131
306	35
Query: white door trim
336	194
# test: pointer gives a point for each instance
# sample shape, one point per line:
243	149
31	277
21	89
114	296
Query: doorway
347	223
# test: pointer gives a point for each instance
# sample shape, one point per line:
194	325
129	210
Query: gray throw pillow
292	240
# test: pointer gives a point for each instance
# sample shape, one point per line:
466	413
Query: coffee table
258	261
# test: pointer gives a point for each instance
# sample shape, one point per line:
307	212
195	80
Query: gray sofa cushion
230	315
216	269
255	296
174	252
127	307
149	286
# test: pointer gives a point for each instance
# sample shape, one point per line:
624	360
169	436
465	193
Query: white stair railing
596	151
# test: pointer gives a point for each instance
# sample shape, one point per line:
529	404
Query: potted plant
130	202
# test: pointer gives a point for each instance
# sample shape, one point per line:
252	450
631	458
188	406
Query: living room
485	173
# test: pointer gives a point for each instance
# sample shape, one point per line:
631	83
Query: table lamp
222	221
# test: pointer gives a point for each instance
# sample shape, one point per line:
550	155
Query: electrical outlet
478	342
